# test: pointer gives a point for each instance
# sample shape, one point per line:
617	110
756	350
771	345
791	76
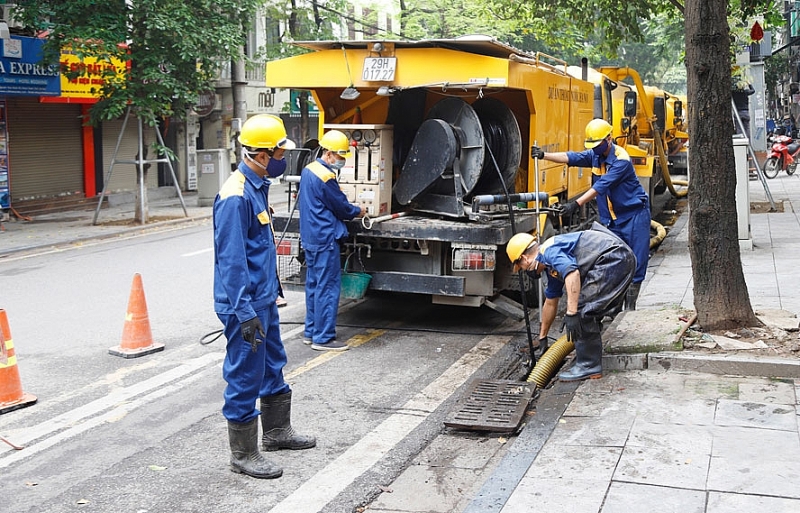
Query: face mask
339	164
600	148
276	167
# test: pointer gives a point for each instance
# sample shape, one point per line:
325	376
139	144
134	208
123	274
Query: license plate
379	69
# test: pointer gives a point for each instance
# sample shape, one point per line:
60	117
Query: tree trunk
720	292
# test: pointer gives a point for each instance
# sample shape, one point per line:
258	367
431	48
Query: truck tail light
472	259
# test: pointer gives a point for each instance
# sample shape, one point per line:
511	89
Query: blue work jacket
323	207
620	195
245	262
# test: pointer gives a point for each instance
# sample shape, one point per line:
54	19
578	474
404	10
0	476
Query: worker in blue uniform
596	267
622	203
245	288
323	210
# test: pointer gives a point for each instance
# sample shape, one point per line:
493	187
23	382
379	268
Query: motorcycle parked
783	156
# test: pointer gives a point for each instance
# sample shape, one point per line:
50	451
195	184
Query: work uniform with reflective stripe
245	286
605	264
323	210
622	203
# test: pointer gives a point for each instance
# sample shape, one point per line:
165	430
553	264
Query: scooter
783	155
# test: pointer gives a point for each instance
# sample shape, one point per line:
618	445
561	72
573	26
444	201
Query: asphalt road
142	435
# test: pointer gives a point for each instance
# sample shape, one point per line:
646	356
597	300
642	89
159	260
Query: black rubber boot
245	457
276	413
588	355
632	295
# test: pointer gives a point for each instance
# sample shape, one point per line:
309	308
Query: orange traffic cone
137	340
11	395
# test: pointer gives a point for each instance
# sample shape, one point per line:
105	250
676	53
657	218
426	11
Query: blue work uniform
605	263
246	286
323	210
622	203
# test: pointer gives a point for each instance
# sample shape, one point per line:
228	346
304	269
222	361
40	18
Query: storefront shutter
45	148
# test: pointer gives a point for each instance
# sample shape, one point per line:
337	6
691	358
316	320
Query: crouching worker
596	268
246	287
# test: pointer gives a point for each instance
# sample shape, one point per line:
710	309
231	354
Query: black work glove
536	152
570	208
573	324
250	331
544	344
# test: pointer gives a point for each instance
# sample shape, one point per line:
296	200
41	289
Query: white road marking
324	486
200	252
121	402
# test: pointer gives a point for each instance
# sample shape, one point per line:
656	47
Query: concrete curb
711	364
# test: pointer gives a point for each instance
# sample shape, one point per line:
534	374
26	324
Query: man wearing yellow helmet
622	203
595	267
245	289
323	210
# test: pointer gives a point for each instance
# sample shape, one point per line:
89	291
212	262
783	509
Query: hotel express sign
22	72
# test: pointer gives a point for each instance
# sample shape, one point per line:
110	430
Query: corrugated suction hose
661	233
550	362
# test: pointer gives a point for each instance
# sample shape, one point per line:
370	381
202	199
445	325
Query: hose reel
448	161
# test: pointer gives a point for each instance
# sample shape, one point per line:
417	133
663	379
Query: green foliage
444	19
174	47
291	21
568	24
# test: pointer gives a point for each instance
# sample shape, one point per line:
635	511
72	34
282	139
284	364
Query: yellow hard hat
517	245
596	132
336	142
265	131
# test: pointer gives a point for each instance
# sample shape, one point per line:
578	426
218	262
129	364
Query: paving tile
553	495
713	387
638	498
752	414
755	461
755	444
575	462
663	466
683	437
610	430
776	478
772	392
737	503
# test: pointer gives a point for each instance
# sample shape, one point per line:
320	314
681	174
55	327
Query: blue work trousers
635	231
249	374
323	287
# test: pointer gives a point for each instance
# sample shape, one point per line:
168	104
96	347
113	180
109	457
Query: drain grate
492	406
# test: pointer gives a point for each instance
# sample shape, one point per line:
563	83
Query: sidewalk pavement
662	436
693	433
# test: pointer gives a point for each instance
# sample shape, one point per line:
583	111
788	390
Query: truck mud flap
417	283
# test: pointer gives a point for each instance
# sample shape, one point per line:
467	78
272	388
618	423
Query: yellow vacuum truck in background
441	132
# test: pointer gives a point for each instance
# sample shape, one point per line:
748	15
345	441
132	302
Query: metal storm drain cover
492	406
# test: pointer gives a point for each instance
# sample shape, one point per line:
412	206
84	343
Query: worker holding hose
622	203
595	267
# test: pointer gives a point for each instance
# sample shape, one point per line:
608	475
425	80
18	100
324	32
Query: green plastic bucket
354	284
